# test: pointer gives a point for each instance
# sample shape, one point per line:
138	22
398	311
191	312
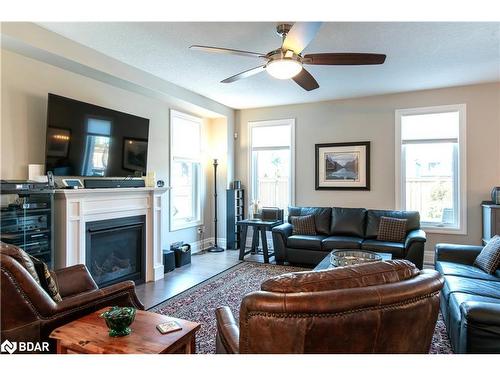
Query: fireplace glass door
115	250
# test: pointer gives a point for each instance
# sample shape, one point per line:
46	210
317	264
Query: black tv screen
87	140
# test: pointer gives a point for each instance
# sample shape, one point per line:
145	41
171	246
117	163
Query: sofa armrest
481	312
285	230
280	236
74	280
228	332
417	235
464	254
122	294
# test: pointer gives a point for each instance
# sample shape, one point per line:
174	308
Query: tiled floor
203	266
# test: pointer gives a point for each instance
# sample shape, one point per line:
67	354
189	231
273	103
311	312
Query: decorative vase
118	319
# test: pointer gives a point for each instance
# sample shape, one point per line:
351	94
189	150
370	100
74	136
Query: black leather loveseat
470	300
346	228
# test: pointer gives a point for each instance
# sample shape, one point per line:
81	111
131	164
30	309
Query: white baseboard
199	246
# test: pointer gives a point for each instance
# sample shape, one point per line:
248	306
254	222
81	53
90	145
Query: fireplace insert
115	250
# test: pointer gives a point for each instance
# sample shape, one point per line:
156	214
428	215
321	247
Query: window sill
438	230
181	226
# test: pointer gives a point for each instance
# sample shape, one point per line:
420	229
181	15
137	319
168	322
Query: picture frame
135	154
58	141
342	166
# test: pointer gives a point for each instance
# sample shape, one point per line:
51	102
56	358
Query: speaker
104	183
495	195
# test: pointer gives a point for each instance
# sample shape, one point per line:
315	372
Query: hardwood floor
203	266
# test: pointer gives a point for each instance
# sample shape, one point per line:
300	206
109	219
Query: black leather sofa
346	228
470	300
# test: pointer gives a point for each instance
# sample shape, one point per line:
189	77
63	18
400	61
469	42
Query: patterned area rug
228	289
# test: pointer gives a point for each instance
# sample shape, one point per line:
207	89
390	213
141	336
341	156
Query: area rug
228	289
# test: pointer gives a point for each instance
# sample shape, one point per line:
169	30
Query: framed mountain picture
343	166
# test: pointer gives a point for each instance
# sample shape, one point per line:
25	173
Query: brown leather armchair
28	313
383	307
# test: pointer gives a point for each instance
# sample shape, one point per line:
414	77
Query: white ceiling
419	56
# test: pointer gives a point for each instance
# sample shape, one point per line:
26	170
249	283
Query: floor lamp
215	248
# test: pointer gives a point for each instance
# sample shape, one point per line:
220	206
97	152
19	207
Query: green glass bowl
118	319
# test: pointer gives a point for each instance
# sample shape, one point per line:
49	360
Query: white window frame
287	122
461	169
197	193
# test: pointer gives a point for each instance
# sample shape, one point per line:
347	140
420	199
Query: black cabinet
27	221
491	220
235	199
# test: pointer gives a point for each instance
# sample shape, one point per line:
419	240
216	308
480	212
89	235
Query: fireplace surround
74	209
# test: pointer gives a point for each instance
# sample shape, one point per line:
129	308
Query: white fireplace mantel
75	208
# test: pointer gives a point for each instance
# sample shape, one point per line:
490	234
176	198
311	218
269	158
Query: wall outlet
201	229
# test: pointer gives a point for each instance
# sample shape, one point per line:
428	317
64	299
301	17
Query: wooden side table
261	226
89	335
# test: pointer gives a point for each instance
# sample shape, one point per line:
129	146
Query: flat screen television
87	140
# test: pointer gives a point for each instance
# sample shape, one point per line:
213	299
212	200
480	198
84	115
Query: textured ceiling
419	56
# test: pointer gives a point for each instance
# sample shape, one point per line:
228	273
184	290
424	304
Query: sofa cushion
304	225
305	242
373	220
47	281
455	284
322	217
489	258
358	276
465	270
348	222
341	242
397	249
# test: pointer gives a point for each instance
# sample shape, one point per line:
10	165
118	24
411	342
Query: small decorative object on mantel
118	319
343	166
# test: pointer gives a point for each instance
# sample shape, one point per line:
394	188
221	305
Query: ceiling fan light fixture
283	68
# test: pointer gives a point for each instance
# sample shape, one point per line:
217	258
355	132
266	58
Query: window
430	166
185	170
272	163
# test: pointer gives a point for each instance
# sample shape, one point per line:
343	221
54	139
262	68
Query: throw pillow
391	229
489	258
47	282
304	225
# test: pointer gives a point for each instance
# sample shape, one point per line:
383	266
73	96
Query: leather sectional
346	228
470	300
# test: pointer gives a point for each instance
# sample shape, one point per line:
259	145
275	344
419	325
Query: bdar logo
9	347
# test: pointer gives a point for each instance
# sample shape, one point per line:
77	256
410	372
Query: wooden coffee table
89	335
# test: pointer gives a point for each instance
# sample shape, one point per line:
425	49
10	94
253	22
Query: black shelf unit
27	221
235	199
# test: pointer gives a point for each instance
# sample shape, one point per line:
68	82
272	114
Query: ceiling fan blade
305	80
227	51
344	59
300	35
245	74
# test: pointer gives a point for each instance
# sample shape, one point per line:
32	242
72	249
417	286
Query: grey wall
25	85
372	119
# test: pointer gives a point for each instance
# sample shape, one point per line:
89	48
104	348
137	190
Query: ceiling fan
287	61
